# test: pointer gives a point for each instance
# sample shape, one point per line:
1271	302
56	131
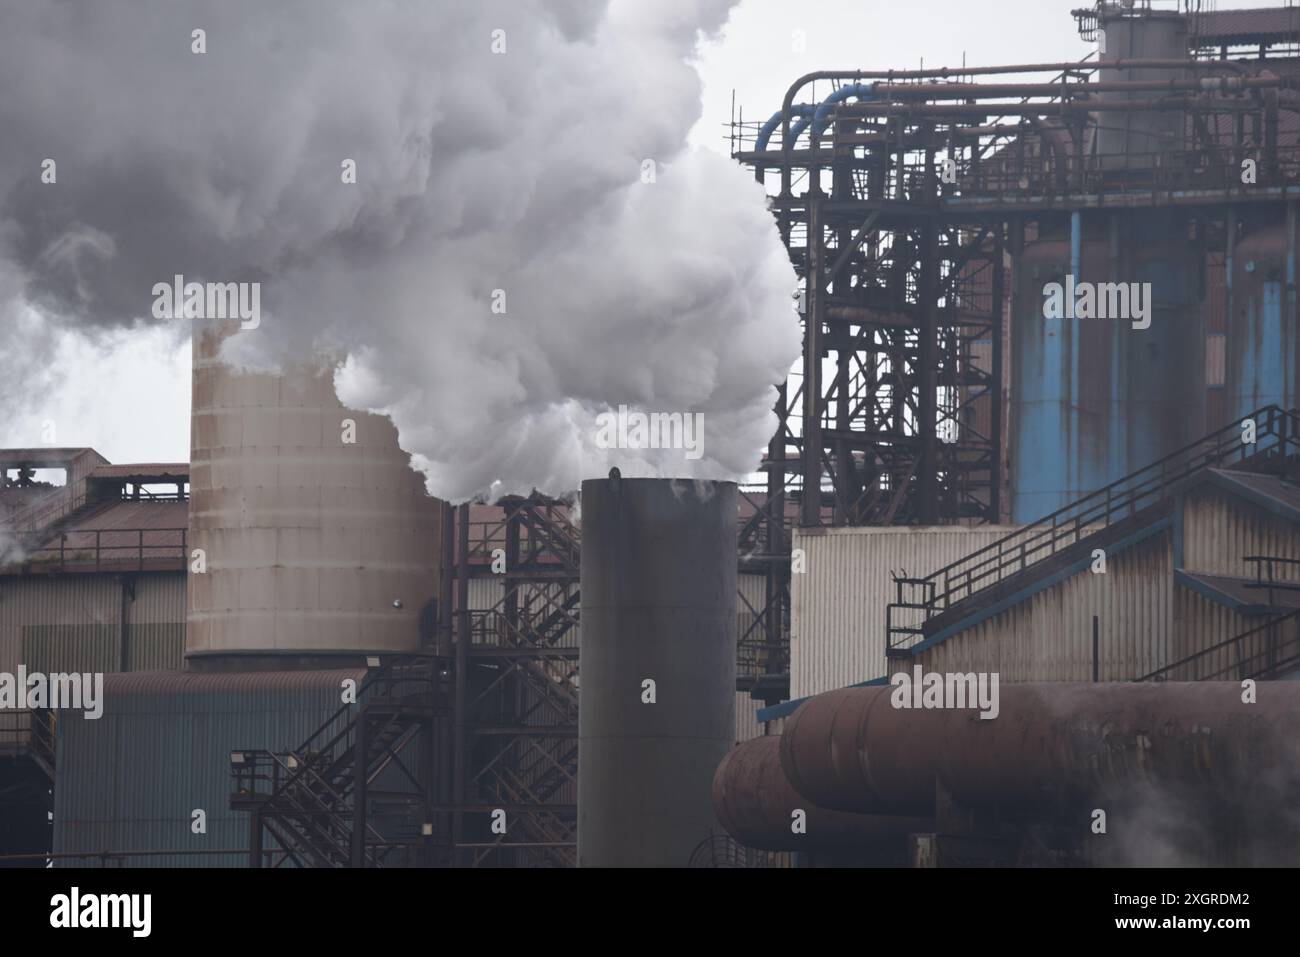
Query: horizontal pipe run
757	806
982	110
1051	747
1009	69
985	91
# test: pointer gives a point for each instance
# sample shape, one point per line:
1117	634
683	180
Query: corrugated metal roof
145	534
151	515
155	470
132	683
1258	23
10	458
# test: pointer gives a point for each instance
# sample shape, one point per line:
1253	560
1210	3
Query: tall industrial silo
317	540
658	665
1094	399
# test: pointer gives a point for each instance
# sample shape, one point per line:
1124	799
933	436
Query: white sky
129	396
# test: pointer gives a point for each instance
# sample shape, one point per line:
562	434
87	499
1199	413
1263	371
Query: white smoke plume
502	149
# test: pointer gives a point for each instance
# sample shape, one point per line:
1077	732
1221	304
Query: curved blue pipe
810	114
768	128
847	92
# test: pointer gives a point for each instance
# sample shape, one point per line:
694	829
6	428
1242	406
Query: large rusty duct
757	806
1053	748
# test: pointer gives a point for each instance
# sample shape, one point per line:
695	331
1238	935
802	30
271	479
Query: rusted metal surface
123	536
1261	25
1052	747
160	472
756	804
318	535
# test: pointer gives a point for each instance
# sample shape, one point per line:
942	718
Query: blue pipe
822	117
811	114
1074	419
1076	246
1289	383
765	132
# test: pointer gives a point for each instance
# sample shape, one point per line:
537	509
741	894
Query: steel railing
49	509
113	548
933	594
1266	574
1259	652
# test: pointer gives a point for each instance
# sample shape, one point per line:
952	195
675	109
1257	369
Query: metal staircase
1071	532
320	802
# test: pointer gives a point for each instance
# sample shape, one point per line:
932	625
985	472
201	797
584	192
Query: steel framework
515	726
905	199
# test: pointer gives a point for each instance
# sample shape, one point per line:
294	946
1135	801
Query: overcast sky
128	395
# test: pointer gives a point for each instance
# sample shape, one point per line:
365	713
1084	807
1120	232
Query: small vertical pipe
462	692
1289	326
1117	426
813	399
1080	480
928	380
360	772
1096	649
777	582
1229	268
1076	244
1013	383
995	390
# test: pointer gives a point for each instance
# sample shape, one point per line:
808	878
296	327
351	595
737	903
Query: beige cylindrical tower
317	536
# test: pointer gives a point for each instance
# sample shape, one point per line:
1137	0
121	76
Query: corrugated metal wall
1048	637
747	724
1200	623
73	622
485	594
1220	530
132	779
1146	621
837	630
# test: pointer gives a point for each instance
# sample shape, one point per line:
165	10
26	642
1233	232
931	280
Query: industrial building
311	663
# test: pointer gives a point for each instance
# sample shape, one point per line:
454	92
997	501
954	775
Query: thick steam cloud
521	154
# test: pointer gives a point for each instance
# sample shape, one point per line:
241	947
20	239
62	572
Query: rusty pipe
1009	69
787	103
989	91
1051	747
1081	106
756	805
